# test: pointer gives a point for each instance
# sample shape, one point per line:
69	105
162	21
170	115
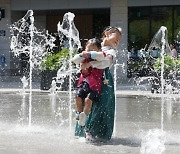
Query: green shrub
53	61
169	64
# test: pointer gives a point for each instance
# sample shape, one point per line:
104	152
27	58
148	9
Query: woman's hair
94	41
111	29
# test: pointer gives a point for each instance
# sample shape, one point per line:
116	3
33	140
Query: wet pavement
138	125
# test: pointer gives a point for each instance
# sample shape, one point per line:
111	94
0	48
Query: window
177	28
143	23
161	16
138	27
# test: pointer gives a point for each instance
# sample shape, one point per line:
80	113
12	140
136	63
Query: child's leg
81	93
86	110
79	105
89	100
87	105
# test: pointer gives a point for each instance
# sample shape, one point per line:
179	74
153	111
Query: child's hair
111	29
94	41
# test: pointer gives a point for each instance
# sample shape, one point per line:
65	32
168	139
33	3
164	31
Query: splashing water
26	39
160	44
153	142
116	65
24	82
69	30
160	41
53	87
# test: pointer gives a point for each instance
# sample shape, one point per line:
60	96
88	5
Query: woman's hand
85	66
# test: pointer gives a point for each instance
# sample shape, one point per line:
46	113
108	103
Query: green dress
100	121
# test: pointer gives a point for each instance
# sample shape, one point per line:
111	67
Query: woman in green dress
100	121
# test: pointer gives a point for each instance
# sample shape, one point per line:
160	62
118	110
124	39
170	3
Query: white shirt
105	61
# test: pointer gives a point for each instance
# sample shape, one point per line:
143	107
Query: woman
100	121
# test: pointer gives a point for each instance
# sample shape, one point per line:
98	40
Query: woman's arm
77	59
104	59
107	62
99	56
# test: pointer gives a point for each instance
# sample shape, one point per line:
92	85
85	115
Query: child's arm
77	59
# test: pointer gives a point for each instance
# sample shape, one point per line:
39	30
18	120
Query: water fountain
26	39
155	139
25	83
122	66
53	87
68	29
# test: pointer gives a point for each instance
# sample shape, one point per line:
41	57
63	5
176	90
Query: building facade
90	18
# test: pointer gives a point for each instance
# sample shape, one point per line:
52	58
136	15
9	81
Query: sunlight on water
50	115
153	142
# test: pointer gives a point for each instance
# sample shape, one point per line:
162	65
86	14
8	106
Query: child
89	84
